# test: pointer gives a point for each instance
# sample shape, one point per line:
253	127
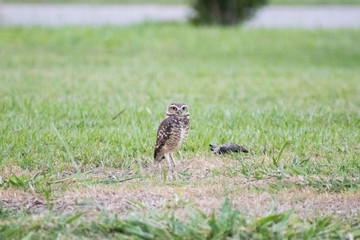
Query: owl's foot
167	156
173	159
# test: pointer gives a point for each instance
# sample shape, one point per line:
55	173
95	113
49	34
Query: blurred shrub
224	12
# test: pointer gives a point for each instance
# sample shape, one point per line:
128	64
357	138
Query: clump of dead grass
200	189
8	171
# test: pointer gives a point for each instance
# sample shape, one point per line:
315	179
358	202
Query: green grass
291	96
276	2
224	224
259	88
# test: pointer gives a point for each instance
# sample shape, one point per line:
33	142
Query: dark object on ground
228	148
224	12
117	115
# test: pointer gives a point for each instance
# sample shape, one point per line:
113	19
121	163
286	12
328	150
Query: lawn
69	168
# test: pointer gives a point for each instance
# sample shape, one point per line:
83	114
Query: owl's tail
158	156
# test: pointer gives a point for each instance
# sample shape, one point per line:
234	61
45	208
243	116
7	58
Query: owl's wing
163	134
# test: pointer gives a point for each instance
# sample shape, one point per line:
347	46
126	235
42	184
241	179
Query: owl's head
177	109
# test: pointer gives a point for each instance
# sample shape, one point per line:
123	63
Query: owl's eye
184	108
173	108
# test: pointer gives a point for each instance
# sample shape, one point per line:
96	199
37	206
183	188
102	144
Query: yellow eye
173	108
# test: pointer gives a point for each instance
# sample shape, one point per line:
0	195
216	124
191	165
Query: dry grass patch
305	202
21	200
8	171
199	189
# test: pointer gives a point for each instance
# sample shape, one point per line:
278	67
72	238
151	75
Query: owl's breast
179	132
184	131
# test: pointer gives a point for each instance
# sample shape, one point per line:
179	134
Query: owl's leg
167	156
173	159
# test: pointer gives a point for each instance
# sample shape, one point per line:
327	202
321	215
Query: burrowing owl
172	132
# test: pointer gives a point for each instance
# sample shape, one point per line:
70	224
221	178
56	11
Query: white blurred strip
75	14
268	17
307	17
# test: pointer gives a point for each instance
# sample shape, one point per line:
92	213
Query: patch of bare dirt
195	169
21	200
304	202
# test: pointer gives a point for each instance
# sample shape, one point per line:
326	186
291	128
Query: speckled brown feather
163	133
172	132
